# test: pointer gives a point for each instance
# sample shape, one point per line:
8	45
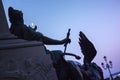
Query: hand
87	48
78	57
66	40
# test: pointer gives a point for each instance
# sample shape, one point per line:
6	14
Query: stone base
24	60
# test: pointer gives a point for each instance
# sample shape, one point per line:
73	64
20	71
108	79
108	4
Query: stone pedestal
21	59
24	60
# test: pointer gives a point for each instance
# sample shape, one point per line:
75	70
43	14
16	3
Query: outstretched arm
50	41
87	48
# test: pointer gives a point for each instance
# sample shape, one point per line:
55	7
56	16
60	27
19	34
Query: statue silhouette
72	70
90	70
65	69
19	29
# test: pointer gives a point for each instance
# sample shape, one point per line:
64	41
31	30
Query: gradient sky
98	19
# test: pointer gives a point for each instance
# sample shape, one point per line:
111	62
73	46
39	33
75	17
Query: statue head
15	16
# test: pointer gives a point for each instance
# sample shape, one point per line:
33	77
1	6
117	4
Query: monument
22	59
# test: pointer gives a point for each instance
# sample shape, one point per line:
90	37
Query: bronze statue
72	70
19	29
90	70
65	69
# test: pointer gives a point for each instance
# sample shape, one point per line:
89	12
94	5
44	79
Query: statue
19	29
90	70
72	70
65	69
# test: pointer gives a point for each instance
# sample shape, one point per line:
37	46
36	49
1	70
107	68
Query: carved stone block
25	61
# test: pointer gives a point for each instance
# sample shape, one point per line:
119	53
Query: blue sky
98	19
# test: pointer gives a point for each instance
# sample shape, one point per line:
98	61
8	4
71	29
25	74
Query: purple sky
98	19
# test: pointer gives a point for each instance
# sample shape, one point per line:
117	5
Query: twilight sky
98	19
